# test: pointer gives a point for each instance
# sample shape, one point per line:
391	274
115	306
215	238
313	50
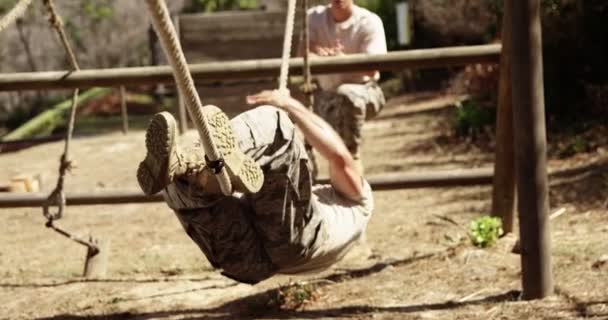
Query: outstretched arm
343	175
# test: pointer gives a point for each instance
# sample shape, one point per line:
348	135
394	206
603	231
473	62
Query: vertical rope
291	13
168	38
308	86
57	196
16	12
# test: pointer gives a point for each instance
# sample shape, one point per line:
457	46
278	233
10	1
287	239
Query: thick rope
16	12
57	196
291	13
168	37
308	87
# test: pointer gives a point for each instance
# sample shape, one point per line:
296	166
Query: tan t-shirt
342	222
363	33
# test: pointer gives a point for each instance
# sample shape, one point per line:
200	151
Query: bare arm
343	175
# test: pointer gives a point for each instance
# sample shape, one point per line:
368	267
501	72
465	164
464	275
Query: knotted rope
161	21
15	13
57	196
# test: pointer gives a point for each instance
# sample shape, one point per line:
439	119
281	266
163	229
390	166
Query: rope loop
56	198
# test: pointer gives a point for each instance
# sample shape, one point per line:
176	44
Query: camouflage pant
347	108
281	228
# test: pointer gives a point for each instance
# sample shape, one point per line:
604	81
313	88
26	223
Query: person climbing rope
276	221
346	100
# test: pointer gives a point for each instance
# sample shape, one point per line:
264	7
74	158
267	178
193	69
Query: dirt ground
417	264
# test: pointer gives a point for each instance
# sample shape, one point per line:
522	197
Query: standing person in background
346	100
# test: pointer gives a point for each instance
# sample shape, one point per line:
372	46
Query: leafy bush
485	231
575	145
219	5
471	118
574	40
294	296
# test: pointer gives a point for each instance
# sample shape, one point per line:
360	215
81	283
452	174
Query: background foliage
112	33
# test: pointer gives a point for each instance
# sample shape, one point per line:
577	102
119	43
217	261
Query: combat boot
164	161
161	163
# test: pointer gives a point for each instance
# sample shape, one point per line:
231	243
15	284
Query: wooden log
45	122
16	145
444	178
503	191
244	69
530	154
32	200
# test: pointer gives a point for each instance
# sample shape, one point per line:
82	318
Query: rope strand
287	41
57	197
16	12
161	21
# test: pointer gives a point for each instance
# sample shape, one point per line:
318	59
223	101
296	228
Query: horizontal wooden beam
446	178
24	200
396	60
16	145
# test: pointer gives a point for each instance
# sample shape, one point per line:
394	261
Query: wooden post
96	263
123	110
503	192
530	154
181	107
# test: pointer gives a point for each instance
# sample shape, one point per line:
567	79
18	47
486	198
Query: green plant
485	231
577	145
220	5
294	296
471	118
116	300
98	10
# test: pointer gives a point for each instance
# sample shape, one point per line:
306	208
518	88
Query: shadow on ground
234	310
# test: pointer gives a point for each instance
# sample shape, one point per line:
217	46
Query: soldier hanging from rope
244	193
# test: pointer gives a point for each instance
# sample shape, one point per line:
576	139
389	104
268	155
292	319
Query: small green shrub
294	296
577	145
471	118
485	231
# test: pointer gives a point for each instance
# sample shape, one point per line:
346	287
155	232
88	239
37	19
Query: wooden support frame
530	154
396	60
503	192
445	178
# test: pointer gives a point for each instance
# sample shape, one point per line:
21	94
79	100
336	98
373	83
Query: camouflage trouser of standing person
347	108
288	226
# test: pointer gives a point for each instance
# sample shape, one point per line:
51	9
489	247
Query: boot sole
245	174
153	173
